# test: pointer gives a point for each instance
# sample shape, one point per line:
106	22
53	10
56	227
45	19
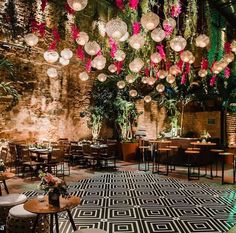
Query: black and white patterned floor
144	203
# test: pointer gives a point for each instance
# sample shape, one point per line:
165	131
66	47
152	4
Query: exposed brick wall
231	128
199	121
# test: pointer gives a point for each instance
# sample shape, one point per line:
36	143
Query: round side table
43	207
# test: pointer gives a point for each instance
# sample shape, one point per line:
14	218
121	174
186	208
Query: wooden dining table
40	152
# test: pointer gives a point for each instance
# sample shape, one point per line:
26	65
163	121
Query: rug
140	202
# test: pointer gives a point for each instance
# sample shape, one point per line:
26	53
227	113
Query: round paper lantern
84	76
130	78
102	77
116	28
162	74
31	39
178	43
147	98
186	56
77	5
136	65
125	37
202	41
160	88
52	73
144	80
120	55
156	58
229	57
82	39
202	73
150	21
223	64
170	78
233	46
133	93
169	22
99	62
192	60
158	34
151	81
136	41
92	48
112	68
174	70
67	54
121	84
64	61
51	56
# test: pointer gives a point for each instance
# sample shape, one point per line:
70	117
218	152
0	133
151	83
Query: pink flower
175	10
74	32
168	29
213	81
133	4
43	5
120	4
80	52
227	72
88	65
41	29
161	50
227	47
183	79
136	28
113	46
204	64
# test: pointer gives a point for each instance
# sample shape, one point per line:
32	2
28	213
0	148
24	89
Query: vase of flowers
54	187
2	166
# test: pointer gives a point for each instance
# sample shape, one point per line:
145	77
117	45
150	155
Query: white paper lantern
192	60
186	56
120	55
229	57
112	68
31	39
84	76
202	73
150	21
130	78
121	84
99	62
125	37
233	46
169	22
67	54
92	48
136	65
102	77
174	70
202	41
151	81
158	34
116	28
137	41
51	56
162	74
156	58
147	98
144	80
64	61
170	78
133	93
223	64
160	88
178	43
82	39
52	73
77	5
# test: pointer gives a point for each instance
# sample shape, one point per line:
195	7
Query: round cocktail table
43	207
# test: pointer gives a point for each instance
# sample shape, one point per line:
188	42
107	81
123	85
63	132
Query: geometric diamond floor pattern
138	202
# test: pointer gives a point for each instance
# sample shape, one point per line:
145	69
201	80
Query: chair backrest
13	151
4	154
58	153
86	149
23	152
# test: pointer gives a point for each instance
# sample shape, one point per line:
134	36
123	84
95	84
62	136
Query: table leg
57	225
0	189
51	223
71	220
223	169
35	223
5	186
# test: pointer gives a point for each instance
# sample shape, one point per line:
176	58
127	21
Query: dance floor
139	202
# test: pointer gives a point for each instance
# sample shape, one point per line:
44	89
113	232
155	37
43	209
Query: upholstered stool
215	153
90	230
7	202
21	221
223	155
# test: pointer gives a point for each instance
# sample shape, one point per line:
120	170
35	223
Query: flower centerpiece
3	167
205	135
54	186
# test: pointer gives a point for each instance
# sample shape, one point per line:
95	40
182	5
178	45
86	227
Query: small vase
54	198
